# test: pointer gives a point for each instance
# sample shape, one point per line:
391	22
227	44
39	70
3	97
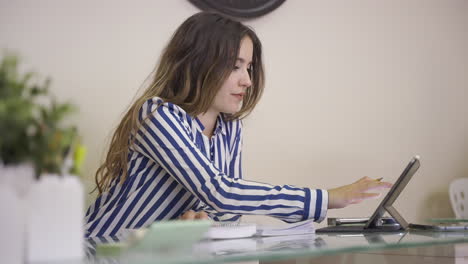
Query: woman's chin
232	110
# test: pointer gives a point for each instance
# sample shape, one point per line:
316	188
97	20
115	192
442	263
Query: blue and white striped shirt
174	167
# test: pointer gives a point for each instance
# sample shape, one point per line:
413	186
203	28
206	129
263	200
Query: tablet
375	223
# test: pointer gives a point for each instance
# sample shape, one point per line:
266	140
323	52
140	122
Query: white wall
354	88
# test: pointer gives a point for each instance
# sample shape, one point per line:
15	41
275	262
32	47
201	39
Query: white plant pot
15	181
55	219
20	177
12	239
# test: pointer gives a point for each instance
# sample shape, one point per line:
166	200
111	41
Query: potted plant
32	127
36	141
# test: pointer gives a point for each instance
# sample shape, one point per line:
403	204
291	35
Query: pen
379	179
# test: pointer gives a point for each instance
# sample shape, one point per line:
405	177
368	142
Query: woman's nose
245	80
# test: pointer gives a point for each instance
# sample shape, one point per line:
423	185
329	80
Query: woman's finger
364	185
378	185
359	197
201	215
188	215
364	179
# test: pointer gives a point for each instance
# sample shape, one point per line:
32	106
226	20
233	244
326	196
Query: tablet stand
377	223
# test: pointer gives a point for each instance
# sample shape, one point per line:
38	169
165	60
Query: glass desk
314	248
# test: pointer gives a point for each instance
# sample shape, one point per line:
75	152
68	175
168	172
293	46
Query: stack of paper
221	230
300	228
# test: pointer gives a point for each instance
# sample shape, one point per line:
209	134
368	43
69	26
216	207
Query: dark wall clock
239	8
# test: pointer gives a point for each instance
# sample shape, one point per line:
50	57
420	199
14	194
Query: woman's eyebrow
242	60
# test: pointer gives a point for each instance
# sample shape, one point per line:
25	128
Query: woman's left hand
191	215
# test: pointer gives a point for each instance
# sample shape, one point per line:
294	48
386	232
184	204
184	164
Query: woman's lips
239	96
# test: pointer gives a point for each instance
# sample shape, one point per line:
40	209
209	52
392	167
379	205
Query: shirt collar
220	125
202	127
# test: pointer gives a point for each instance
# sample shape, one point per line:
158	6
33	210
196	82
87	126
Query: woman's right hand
356	192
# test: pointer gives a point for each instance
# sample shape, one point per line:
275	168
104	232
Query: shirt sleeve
163	137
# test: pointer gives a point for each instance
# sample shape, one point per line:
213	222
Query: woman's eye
236	67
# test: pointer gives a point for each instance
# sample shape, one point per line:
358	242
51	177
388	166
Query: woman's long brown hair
195	63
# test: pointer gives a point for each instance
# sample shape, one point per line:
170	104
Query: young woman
177	151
